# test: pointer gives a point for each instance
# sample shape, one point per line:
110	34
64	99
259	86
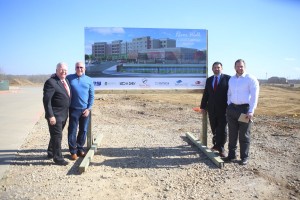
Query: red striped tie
215	83
66	87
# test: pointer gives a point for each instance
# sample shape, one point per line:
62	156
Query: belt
239	105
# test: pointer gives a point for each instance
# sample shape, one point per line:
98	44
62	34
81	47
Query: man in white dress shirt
242	101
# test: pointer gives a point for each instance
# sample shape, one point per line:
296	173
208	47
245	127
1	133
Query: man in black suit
56	100
214	101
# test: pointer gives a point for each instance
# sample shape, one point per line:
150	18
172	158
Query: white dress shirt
243	89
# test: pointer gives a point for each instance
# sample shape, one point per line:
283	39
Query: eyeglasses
63	70
79	67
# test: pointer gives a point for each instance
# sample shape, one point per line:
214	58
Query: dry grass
273	100
279	101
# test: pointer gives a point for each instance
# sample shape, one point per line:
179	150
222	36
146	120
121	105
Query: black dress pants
218	127
54	147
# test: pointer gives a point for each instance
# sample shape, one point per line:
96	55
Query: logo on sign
97	83
144	80
109	83
180	83
196	83
127	83
144	83
162	83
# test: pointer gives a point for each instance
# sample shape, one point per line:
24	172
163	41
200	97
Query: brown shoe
81	153
74	157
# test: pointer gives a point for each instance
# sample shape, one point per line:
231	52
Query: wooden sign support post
201	143
92	145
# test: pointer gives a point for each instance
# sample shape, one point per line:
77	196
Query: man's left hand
86	113
250	116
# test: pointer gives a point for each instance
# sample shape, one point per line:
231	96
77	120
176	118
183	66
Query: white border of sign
148	83
112	78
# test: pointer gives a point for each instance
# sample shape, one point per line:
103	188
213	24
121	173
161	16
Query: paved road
20	109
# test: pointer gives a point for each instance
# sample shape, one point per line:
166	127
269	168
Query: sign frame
119	58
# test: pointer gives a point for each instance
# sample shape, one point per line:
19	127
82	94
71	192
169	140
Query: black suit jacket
215	102
56	99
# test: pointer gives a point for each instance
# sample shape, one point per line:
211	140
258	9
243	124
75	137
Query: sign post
201	143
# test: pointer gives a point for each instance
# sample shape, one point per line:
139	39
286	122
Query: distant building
277	80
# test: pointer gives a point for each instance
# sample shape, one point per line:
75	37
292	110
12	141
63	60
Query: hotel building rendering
147	55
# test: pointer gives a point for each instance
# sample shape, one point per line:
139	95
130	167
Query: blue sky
35	35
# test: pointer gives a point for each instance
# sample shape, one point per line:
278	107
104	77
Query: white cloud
289	59
108	30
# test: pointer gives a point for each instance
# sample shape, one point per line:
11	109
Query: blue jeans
76	144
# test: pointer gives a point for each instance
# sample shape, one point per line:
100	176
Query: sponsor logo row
148	83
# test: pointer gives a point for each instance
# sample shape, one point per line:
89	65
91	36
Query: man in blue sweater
82	101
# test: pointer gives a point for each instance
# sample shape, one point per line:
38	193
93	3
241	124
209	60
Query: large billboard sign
146	58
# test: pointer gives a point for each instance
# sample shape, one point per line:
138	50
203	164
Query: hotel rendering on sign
146	58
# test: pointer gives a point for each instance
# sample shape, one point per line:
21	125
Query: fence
4	85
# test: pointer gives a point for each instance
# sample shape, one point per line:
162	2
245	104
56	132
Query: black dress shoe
229	159
49	155
214	148
61	162
244	161
222	154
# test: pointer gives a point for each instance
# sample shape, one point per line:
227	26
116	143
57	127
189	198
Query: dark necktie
66	87
215	83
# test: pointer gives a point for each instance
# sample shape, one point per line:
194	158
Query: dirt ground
144	154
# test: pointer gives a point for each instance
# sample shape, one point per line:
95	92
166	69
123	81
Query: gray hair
79	62
59	65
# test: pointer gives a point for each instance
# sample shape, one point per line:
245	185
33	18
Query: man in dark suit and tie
214	101
56	100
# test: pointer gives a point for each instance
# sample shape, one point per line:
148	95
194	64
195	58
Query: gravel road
144	154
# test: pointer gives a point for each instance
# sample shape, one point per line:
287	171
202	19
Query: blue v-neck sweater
82	91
